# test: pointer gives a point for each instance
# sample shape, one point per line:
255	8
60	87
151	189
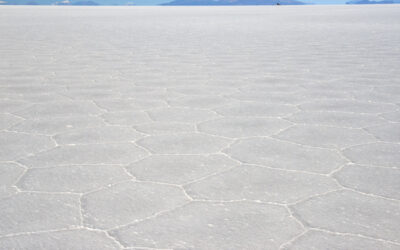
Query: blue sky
150	2
325	2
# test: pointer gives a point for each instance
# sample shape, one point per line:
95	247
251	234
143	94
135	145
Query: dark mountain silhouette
234	2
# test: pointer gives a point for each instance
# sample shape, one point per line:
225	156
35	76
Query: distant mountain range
234	2
177	2
131	2
373	2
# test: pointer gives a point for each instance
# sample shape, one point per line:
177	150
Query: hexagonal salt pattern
60	109
348	106
260	184
75	178
200	128
243	127
199	102
108	134
392	116
248	109
372	180
56	125
111	153
126	118
336	119
323	240
209	225
388	132
117	105
8	105
284	155
179	169
326	137
156	128
181	115
353	213
9	175
7	191
30	212
129	202
378	154
16	145
67	239
188	143
7	120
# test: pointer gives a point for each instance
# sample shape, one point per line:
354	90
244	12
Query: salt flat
200	127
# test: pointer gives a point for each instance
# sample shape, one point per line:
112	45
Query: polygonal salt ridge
250	182
16	145
128	202
272	86
155	128
392	116
179	169
181	115
377	97
349	212
159	95
325	136
335	84
11	105
324	94
36	98
105	134
8	120
60	109
56	125
90	94
199	225
236	127
388	132
72	179
7	191
260	109
118	105
370	180
91	154
285	155
134	89
378	154
317	239
199	101
276	97
67	239
335	119
210	90
10	173
31	87
345	105
185	143
126	118
32	212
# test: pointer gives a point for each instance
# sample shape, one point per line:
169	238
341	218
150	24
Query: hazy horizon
158	2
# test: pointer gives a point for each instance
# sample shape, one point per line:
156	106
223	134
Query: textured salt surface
200	128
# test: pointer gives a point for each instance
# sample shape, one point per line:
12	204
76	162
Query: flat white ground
200	128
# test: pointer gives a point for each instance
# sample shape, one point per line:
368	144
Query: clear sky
325	1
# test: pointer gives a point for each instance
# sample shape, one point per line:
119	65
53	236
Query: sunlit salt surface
200	127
